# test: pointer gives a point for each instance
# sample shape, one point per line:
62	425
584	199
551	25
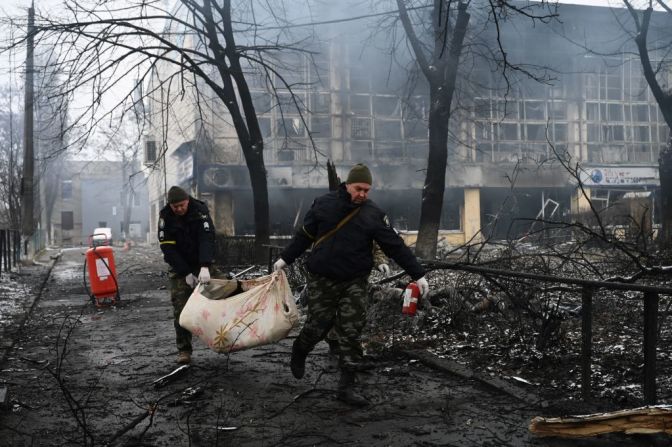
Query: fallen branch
139	418
643	420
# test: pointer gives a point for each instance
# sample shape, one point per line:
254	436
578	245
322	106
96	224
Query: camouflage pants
340	305
179	294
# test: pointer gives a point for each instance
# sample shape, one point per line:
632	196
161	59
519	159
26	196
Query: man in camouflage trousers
341	227
381	261
187	239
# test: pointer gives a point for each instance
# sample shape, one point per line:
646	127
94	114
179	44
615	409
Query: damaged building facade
505	146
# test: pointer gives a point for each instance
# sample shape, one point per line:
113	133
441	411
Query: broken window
615	112
640	133
641	152
613	132
320	126
318	68
560	132
261	102
508	131
482	108
483	130
264	126
483	152
361	150
290	103
534	110
592	111
636	87
291	127
614	86
386	106
557	110
655	114
509	110
417	150
592	86
388	150
388	130
595	153
320	103
360	104
360	128
415	108
640	113
416	129
594	132
536	132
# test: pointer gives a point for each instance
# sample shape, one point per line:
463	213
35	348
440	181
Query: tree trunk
435	181
262	233
665	172
664	100
442	76
246	125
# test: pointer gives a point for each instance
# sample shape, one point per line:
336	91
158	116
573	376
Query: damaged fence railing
650	296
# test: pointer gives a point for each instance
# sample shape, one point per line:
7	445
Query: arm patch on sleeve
386	221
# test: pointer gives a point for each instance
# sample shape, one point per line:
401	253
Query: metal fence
236	251
10	249
649	294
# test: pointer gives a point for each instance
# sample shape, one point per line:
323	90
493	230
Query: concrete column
581	201
223	213
337	88
472	214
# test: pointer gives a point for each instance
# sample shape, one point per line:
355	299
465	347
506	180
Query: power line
324	22
345	19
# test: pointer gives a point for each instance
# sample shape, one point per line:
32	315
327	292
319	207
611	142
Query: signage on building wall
620	175
223	177
279	175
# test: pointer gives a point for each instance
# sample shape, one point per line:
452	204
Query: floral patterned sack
263	313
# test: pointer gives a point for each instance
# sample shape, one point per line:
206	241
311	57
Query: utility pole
27	220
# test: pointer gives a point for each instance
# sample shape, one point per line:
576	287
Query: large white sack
264	313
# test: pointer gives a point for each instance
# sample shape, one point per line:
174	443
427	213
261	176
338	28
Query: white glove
423	286
384	269
204	275
279	264
190	280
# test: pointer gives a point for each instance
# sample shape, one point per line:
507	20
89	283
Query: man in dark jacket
187	240
341	227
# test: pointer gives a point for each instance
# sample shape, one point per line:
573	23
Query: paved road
80	375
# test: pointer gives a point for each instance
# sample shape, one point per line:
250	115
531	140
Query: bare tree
10	163
438	51
655	74
100	45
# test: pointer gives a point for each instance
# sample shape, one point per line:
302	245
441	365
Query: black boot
346	393
298	361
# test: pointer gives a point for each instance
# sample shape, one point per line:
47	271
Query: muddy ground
77	374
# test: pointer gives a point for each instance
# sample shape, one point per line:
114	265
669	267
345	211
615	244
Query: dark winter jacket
348	253
187	242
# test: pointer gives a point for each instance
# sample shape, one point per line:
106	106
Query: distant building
599	112
91	195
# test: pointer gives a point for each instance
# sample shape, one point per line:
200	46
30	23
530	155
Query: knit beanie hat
359	174
177	194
